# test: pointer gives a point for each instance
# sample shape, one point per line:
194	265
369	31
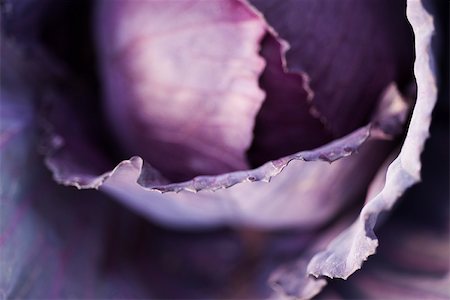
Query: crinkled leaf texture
53	224
240	198
329	41
402	173
412	261
346	253
285	123
292	198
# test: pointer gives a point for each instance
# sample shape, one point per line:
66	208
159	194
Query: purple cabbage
296	124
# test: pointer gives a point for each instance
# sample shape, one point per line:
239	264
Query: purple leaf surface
412	260
62	243
50	238
181	81
240	198
285	123
58	242
405	268
348	251
350	49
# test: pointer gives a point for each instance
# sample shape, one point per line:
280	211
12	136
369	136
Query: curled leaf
348	251
240	198
286	123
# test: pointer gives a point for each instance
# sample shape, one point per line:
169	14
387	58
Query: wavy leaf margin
351	248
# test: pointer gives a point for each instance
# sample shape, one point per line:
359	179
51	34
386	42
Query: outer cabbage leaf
402	173
240	198
46	227
52	239
346	252
412	261
62	243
